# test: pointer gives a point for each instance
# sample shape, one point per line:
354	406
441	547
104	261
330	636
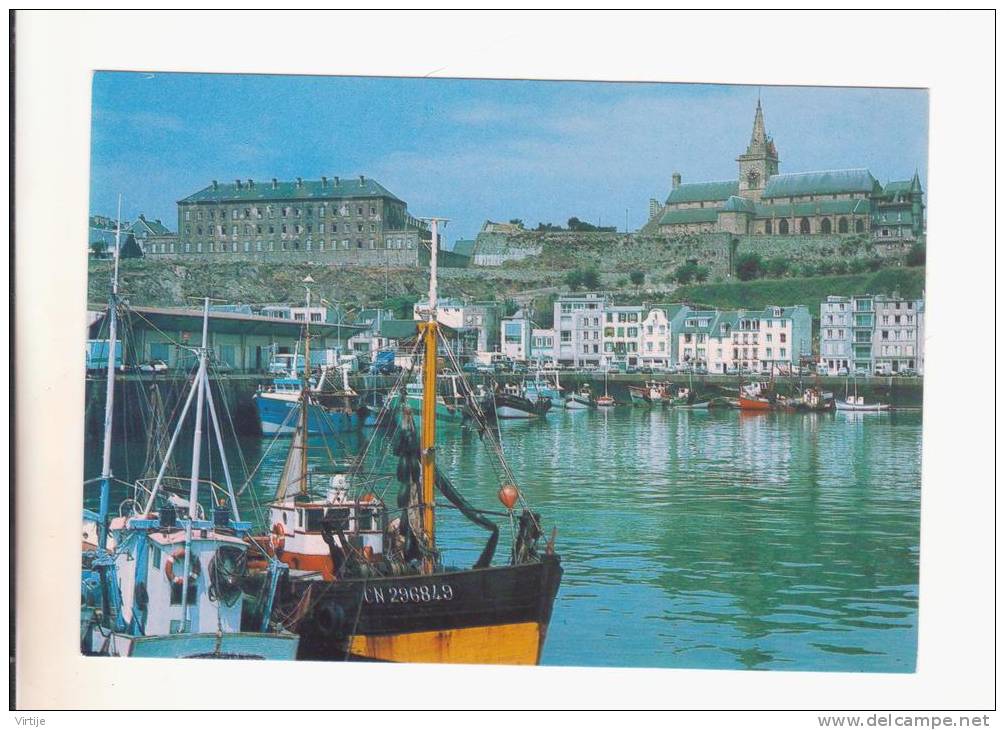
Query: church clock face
752	178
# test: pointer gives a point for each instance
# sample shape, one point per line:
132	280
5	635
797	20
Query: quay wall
132	391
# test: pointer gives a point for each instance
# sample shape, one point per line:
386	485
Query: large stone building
763	201
347	221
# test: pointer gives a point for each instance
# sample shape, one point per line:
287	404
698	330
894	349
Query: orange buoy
508	495
194	567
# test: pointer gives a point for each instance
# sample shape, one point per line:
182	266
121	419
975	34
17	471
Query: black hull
524	405
415	604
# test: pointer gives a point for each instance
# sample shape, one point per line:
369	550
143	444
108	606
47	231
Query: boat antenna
106	454
427	444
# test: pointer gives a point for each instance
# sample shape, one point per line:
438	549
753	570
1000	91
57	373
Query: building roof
173	319
690	215
736	204
823	182
859	206
153	226
897	186
333	188
697	192
464	247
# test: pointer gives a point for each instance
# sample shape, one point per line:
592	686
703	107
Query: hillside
909	282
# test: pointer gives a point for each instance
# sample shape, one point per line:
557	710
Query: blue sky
476	150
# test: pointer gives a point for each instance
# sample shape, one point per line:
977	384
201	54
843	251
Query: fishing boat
538	386
758	396
387	593
450	408
335	407
165	577
855	402
510	401
581	399
606	400
653	393
814	399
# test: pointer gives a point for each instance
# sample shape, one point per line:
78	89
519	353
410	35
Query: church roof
897	186
736	204
697	192
823	182
690	215
814	207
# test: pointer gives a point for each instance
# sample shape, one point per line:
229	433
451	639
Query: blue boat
329	412
539	387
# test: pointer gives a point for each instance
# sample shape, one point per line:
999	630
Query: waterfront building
480	318
771	339
516	336
763	201
579	323
542	345
366	339
898	340
314	313
622	334
836	334
654	346
347	221
875	334
238	340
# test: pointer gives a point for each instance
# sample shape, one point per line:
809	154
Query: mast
193	491
427	442
306	387
106	454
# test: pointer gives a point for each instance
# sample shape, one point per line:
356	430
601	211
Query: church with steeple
763	201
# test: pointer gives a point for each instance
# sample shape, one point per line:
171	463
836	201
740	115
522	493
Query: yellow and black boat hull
495	615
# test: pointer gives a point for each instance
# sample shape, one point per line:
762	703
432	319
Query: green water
699	540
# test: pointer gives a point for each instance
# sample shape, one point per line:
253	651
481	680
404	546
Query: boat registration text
409	594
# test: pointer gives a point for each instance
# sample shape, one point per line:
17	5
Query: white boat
857	403
166	578
581	400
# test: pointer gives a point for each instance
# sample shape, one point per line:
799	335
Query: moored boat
581	399
386	593
511	402
165	578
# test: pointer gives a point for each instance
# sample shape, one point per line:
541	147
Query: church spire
758	137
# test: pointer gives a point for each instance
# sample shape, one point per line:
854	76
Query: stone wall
656	254
351	258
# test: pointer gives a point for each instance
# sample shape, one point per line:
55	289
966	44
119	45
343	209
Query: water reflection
700	539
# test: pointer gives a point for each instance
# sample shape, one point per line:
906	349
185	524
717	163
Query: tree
916	256
591	279
574	279
749	266
824	268
701	273
638	279
517	222
684	273
840	267
131	249
777	267
858	265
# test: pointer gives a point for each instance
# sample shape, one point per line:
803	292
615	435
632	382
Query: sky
471	150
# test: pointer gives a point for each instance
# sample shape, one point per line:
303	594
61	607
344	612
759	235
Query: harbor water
692	539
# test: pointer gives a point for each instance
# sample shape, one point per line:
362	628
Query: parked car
907	373
153	366
646	369
841	371
861	373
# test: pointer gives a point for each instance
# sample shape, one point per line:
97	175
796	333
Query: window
781	352
247	246
233	247
258	245
188	248
188	215
783	226
233	230
566	336
198	247
781	337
